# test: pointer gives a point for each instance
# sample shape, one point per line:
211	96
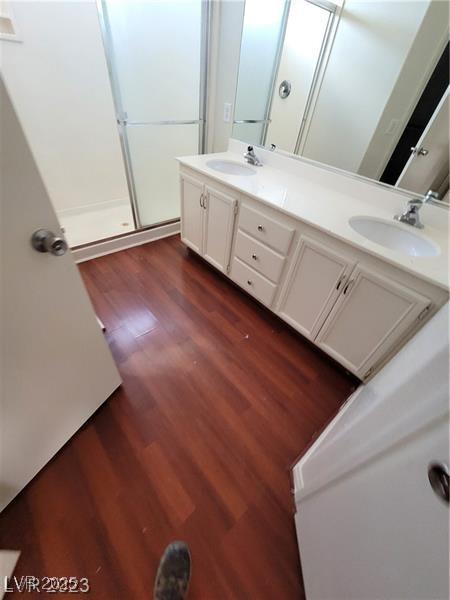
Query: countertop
326	200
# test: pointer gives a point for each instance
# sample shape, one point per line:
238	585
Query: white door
380	531
428	166
312	286
191	193
56	368
218	227
369	317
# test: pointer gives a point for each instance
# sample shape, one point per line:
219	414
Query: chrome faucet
410	215
251	157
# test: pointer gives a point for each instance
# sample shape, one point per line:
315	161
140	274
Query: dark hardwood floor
218	399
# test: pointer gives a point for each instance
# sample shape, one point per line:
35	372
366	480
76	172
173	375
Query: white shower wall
58	80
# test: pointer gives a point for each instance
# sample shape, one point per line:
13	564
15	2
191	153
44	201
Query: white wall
372	42
58	81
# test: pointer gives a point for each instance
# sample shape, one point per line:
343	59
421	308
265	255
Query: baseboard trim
125	241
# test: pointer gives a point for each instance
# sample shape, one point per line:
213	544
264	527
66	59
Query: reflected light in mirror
262	14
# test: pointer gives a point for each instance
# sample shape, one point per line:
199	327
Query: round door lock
44	240
285	89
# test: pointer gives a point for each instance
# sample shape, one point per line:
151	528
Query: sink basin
392	236
230	167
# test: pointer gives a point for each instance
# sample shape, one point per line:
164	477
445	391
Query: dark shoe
174	573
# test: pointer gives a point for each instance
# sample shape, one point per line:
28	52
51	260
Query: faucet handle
431	195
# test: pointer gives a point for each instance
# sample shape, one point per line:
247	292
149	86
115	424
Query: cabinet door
191	191
218	228
312	286
371	315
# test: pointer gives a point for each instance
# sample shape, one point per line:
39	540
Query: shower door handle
44	240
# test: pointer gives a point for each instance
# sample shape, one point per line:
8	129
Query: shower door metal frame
122	117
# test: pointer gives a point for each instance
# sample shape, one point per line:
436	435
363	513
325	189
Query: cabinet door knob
255	257
260	228
250	282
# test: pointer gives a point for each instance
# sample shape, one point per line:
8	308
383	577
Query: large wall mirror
360	85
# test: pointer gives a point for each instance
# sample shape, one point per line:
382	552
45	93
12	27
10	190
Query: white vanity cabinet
368	319
356	307
262	243
314	282
353	312
207	219
191	195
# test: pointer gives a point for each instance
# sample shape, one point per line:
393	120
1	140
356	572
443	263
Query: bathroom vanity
299	238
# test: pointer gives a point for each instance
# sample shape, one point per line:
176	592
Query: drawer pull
260	228
250	282
255	257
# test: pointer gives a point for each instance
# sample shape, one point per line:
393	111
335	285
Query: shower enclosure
157	61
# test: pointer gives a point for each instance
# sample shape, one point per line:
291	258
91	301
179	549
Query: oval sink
230	167
392	236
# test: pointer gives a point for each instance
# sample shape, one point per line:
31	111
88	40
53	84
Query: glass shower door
262	36
156	52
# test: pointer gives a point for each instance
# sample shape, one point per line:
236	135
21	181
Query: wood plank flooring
218	399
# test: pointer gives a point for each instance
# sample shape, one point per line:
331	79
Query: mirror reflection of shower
336	83
283	46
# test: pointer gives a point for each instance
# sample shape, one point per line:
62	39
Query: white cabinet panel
264	228
218	227
207	220
191	212
260	257
369	317
253	282
312	286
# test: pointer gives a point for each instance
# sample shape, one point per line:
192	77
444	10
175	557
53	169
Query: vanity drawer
253	282
259	256
265	229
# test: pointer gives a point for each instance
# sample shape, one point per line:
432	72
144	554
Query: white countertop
327	199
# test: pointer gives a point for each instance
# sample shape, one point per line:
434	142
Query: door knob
43	240
438	477
420	151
